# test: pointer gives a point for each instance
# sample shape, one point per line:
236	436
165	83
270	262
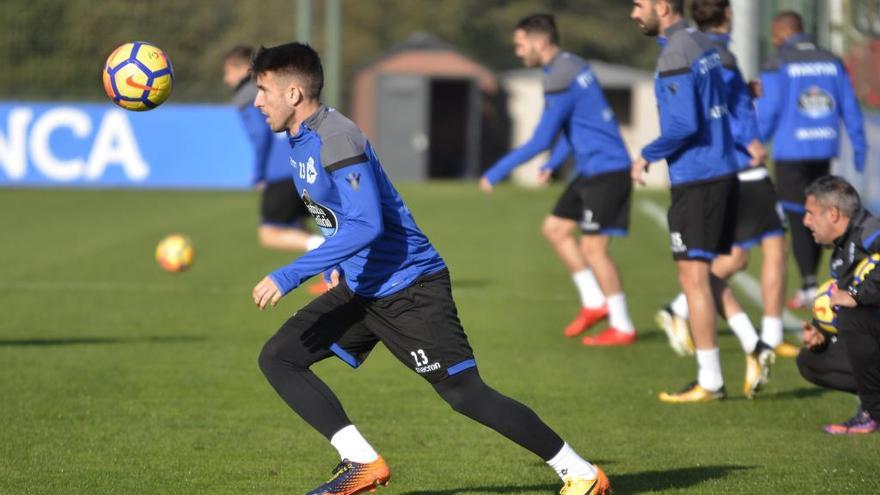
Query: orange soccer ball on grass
175	253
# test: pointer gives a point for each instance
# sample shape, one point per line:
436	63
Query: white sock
709	369
567	463
679	305
745	331
618	316
588	288
353	446
771	330
313	242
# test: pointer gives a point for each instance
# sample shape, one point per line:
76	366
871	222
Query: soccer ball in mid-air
865	267
138	76
824	314
175	253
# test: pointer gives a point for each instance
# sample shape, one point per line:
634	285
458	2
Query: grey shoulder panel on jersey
245	95
680	52
728	59
806	51
342	143
772	64
563	69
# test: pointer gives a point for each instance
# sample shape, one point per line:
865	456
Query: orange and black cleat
583	486
585	319
350	478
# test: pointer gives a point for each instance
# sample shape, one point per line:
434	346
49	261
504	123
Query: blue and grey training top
743	118
270	162
806	94
369	231
576	112
695	135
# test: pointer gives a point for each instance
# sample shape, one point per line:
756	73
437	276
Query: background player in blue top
395	289
758	220
597	201
283	215
806	93
697	144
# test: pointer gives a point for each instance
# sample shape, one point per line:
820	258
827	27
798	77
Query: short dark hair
241	54
295	59
791	19
677	5
540	23
709	13
832	190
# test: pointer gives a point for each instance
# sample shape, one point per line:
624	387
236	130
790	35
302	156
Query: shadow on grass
670	479
170	339
798	393
633	483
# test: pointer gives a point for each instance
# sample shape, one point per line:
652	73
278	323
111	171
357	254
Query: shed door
402	126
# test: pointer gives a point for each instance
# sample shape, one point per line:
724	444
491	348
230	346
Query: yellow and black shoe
693	393
351	478
758	364
677	331
583	486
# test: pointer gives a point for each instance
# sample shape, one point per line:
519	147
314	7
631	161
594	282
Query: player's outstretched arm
678	114
360	223
558	107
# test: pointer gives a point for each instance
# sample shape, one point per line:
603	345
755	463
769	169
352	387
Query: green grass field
118	378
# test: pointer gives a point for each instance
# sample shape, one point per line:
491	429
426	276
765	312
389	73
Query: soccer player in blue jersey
806	93
282	212
698	146
759	219
597	201
395	289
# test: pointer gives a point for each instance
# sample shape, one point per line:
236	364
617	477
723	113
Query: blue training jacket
695	134
270	163
369	231
743	117
807	92
575	110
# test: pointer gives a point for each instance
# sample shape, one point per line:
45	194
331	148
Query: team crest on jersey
324	217
815	103
307	170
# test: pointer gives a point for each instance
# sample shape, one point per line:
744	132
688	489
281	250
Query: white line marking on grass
745	282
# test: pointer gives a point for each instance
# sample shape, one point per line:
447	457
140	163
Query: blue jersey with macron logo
369	231
695	134
576	112
806	94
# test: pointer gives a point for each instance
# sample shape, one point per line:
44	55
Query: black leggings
285	363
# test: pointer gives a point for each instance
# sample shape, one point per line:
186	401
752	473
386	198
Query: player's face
276	98
234	73
526	49
778	33
644	12
820	220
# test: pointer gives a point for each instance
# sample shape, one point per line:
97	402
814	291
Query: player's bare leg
287	238
693	276
773	274
621	330
560	232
